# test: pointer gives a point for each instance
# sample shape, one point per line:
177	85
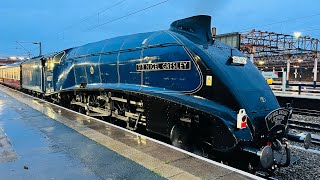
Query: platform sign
270	75
232	39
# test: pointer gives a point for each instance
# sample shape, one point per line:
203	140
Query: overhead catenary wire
93	15
127	15
119	18
311	30
28	51
279	22
82	20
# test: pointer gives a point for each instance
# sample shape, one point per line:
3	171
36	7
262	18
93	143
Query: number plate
278	117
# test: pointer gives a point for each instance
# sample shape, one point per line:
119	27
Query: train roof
38	58
12	65
197	29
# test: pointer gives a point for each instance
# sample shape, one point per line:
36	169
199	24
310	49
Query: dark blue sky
57	24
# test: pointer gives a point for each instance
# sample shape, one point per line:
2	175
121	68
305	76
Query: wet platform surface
49	142
34	146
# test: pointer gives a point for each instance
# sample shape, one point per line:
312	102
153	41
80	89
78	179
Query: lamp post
40	47
300	69
288	73
297	35
315	71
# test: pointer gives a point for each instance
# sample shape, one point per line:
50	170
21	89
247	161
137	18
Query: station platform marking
160	167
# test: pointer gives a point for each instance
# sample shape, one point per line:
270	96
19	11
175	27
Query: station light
261	62
297	35
242	118
300	60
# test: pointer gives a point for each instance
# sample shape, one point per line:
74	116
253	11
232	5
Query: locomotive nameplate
239	60
162	66
277	117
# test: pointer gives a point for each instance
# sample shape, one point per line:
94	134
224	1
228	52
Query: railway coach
10	75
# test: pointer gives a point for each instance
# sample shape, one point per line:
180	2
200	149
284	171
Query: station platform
307	84
40	140
302	95
296	89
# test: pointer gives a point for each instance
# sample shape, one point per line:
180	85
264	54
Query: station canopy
274	49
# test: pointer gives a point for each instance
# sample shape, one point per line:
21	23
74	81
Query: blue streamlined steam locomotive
180	83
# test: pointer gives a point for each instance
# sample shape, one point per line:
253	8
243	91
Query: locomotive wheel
180	137
73	107
202	149
82	110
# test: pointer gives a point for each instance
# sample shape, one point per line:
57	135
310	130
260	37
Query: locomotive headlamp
242	118
51	64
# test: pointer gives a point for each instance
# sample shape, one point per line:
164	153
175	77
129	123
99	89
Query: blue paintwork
111	64
31	77
117	59
245	83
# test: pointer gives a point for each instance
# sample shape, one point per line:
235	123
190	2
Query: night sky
62	24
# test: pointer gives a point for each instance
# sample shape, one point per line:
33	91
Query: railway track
307	126
304	125
308	112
